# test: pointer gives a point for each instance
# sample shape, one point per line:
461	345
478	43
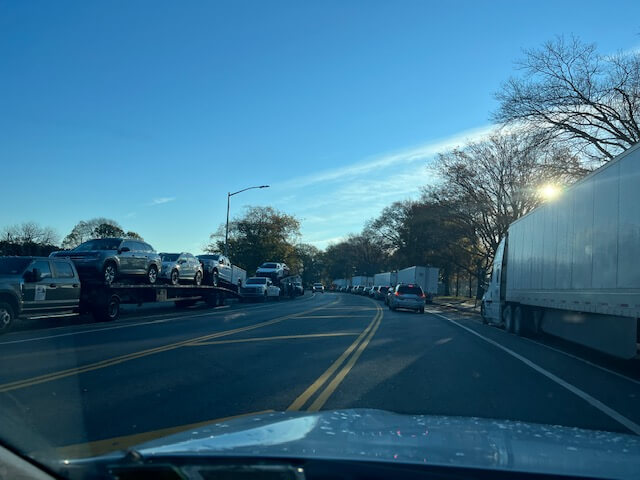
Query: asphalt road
89	388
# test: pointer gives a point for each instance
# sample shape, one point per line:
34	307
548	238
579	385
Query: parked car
381	293
260	288
110	259
32	287
373	290
358	289
407	296
299	288
318	287
273	270
177	267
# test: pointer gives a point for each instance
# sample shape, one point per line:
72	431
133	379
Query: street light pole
226	234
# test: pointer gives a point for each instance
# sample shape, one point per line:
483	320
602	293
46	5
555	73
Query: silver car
181	267
407	296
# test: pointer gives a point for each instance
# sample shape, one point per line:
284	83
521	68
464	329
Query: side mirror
33	276
124	249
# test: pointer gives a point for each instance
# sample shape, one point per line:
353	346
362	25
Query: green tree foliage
310	263
356	255
99	227
261	234
107	230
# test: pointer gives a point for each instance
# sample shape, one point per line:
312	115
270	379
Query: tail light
422	295
397	294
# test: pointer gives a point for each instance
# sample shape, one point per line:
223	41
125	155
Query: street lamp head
263	186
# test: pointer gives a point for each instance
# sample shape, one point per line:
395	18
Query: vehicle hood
375	435
11	279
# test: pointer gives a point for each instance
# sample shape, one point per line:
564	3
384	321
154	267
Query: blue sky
148	112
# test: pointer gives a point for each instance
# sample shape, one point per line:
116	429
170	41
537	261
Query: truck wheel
265	298
174	279
108	311
184	303
152	274
518	320
421	310
198	278
536	321
109	273
6	317
215	278
507	318
483	316
211	300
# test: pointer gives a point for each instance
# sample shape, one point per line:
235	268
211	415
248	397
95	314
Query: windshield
412	214
102	244
13	266
209	257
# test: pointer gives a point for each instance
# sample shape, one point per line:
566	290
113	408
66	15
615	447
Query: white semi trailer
571	267
387	279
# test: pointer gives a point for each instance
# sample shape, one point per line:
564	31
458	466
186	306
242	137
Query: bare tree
572	94
30	232
491	183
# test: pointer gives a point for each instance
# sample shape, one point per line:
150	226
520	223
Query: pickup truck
219	270
37	287
259	288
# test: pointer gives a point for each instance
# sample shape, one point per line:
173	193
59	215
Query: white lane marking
575	357
605	369
137	324
610	412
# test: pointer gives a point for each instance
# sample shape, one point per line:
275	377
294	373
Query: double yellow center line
49	377
347	360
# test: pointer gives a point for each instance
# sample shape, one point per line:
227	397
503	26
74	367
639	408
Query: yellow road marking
324	396
48	377
315	386
334	316
279	337
100	447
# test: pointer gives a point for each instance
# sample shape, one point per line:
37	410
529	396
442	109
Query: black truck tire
7	317
107	310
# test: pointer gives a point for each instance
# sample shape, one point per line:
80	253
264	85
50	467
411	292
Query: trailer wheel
518	320
184	303
507	318
6	317
211	300
108	311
